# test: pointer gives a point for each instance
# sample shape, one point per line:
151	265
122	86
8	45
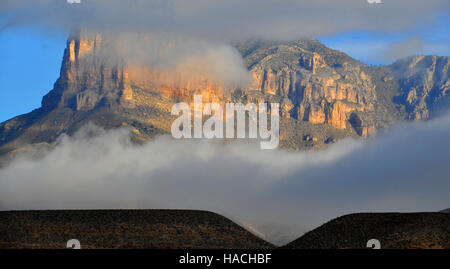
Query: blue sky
371	47
31	59
30	63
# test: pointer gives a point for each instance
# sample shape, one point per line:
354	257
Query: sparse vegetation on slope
123	229
393	230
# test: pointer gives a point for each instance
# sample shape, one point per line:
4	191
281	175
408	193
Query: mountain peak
324	94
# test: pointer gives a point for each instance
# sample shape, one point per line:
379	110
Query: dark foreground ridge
190	229
393	230
123	229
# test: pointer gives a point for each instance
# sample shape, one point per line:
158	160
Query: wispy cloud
401	49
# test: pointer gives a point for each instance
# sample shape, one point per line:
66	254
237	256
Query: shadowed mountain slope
123	229
393	230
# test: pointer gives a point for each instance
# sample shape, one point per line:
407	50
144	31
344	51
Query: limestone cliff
325	95
314	87
91	73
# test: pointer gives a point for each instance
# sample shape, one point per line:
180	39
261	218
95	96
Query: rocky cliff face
84	79
314	85
424	85
91	74
324	94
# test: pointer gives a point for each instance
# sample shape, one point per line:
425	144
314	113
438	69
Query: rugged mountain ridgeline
325	95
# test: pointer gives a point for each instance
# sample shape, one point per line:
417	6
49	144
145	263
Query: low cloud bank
280	194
